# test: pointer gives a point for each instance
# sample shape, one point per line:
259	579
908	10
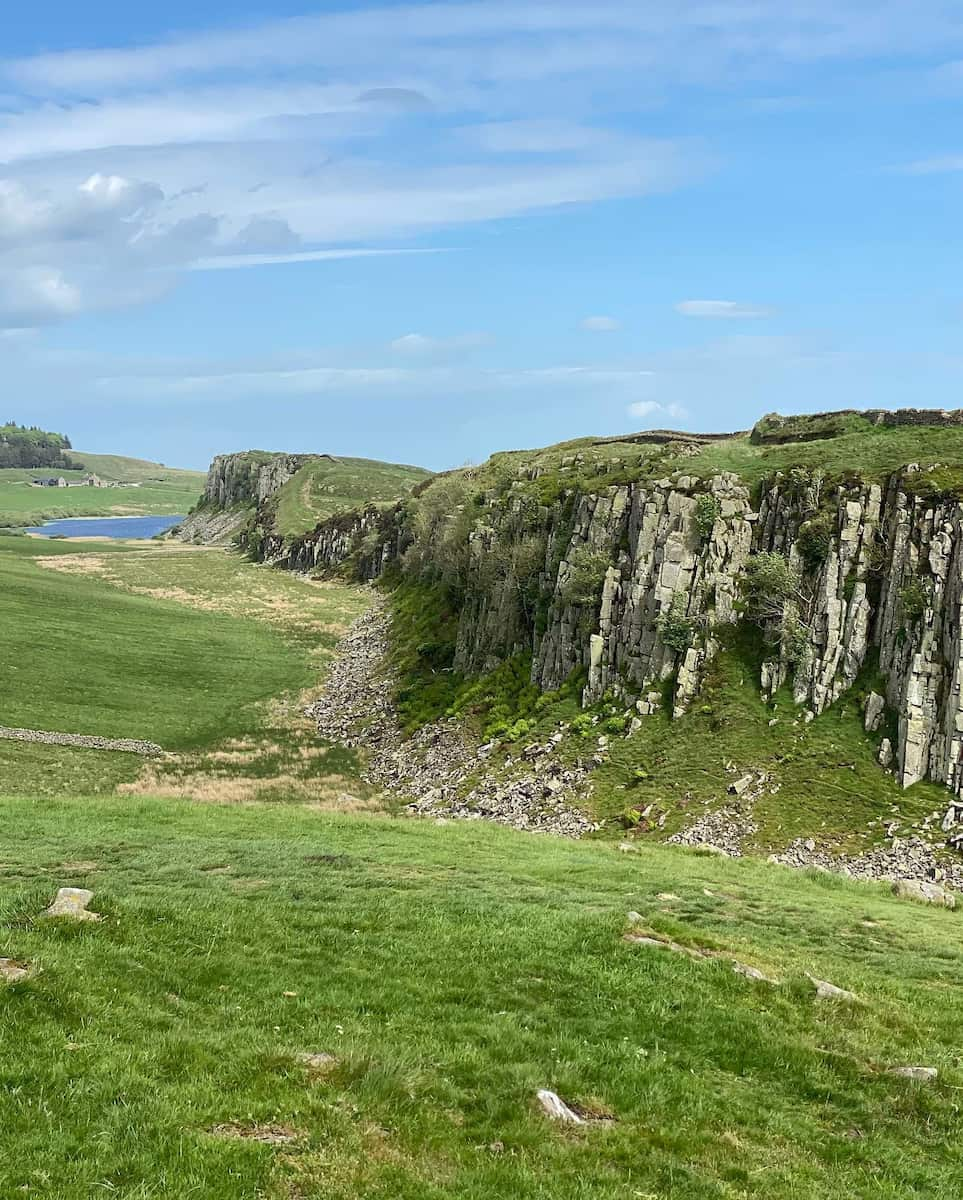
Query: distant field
162	490
187	648
324	487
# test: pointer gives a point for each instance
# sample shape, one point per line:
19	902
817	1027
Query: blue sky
427	232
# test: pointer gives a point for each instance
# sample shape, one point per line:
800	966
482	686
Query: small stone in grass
924	892
668	896
634	918
627	848
917	1074
829	991
555	1107
12	971
272	1135
318	1061
753	973
72	903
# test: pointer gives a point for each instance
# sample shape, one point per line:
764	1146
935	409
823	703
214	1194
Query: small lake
112	527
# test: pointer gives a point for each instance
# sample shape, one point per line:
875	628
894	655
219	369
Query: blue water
112	527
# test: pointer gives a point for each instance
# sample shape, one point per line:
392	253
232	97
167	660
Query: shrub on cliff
587	569
675	628
707	513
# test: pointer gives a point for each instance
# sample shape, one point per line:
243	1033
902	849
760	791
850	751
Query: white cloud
722	310
943	165
649	408
601	324
221	149
664	37
299	377
417	345
36	296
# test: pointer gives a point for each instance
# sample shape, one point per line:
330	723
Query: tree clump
707	513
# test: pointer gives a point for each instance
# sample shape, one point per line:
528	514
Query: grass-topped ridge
328	485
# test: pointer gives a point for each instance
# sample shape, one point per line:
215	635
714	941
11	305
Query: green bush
915	599
675	628
588	568
815	540
707	513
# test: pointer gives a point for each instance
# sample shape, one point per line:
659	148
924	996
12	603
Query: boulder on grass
924	892
72	904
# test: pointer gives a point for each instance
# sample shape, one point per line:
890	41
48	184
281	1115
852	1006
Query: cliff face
237	485
635	584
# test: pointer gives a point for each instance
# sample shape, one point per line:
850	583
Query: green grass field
193	649
452	972
325	486
255	914
162	490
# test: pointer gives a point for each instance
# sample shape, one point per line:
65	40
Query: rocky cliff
237	486
635	584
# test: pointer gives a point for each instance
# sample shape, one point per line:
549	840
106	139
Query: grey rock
873	711
917	1074
71	903
753	973
924	892
12	971
829	991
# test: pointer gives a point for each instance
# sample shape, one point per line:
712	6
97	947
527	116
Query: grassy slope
453	971
867	451
191	665
324	487
163	490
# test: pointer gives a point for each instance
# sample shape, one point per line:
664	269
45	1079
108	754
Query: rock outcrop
633	584
237	485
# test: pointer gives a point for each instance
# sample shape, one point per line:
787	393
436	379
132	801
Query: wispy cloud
601	324
722	310
431	117
233	262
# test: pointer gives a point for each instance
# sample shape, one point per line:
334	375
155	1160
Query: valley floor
256	911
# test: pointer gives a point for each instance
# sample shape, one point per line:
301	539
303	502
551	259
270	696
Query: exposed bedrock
634	584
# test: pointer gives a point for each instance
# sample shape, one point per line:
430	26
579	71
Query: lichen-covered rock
71	904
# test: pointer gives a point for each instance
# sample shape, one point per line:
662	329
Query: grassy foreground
451	972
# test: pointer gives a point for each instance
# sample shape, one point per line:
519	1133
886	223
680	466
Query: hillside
261	498
440	977
789	596
159	489
294	992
